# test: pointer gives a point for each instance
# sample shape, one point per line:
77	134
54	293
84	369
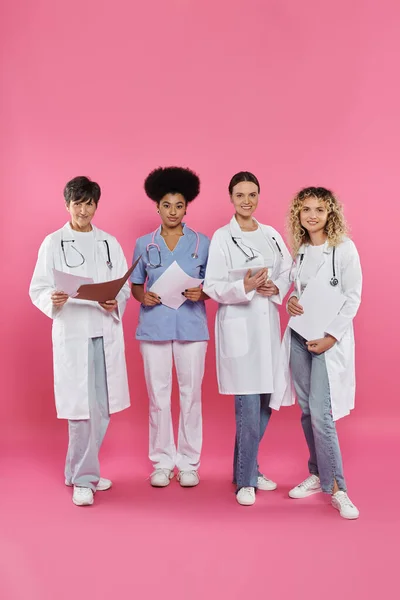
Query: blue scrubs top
160	323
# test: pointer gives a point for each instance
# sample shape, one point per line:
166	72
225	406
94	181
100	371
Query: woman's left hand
193	294
321	345
110	305
267	289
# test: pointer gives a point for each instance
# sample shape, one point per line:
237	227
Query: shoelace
194	473
82	491
249	490
345	500
165	471
309	482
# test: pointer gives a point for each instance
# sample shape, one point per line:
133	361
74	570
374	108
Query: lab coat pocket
234	338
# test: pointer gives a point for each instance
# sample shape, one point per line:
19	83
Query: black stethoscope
108	262
334	280
252	256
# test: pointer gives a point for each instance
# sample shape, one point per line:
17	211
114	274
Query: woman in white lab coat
90	380
248	275
322	369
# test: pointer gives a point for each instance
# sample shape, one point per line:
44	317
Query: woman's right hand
294	308
255	281
151	299
59	299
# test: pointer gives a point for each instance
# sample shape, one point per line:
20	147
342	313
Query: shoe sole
344	516
269	489
83	503
161	485
245	503
305	495
187	485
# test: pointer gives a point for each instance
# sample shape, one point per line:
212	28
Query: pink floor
190	544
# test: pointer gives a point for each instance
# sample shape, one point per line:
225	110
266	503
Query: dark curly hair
82	189
172	180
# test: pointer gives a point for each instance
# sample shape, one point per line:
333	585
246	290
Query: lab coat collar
234	226
67	229
327	249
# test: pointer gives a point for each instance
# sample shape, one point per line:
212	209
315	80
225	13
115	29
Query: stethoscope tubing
153	244
108	262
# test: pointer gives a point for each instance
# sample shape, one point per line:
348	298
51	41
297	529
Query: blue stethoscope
154	245
82	258
334	281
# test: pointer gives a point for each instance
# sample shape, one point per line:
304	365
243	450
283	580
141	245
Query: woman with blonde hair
322	370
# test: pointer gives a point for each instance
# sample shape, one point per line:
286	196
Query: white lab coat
340	358
70	325
247	327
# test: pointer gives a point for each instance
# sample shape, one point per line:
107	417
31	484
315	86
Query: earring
158	212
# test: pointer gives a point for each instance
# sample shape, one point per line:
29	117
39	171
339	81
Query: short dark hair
242	176
82	189
172	180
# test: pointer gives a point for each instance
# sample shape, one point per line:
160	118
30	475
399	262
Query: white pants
82	466
189	360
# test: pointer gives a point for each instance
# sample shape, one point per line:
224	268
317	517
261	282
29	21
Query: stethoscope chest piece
334	281
195	255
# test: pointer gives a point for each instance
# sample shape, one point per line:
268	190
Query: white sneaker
161	477
309	486
265	484
246	496
82	496
344	505
188	478
103	484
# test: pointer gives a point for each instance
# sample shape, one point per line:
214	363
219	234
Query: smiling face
172	209
244	198
82	214
313	215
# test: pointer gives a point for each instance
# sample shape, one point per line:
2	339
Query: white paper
69	284
170	285
321	303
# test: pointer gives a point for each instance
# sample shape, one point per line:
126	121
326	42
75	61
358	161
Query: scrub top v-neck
160	323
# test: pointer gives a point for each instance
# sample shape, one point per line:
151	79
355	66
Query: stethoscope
253	255
108	262
153	244
334	280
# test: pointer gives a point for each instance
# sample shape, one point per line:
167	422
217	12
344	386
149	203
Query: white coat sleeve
217	284
125	292
351	283
42	283
283	281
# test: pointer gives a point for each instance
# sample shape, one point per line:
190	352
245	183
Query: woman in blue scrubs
170	336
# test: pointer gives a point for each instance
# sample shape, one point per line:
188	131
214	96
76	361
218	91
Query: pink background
300	93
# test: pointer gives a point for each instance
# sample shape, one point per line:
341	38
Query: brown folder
101	292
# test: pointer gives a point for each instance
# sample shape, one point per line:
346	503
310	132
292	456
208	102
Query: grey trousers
82	466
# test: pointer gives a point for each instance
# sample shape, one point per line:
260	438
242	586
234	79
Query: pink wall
301	93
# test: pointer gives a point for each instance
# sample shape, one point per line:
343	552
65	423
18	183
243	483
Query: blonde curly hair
336	226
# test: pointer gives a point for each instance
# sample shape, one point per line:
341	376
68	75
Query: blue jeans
252	415
310	378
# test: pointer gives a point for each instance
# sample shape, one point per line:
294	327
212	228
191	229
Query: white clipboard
239	274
